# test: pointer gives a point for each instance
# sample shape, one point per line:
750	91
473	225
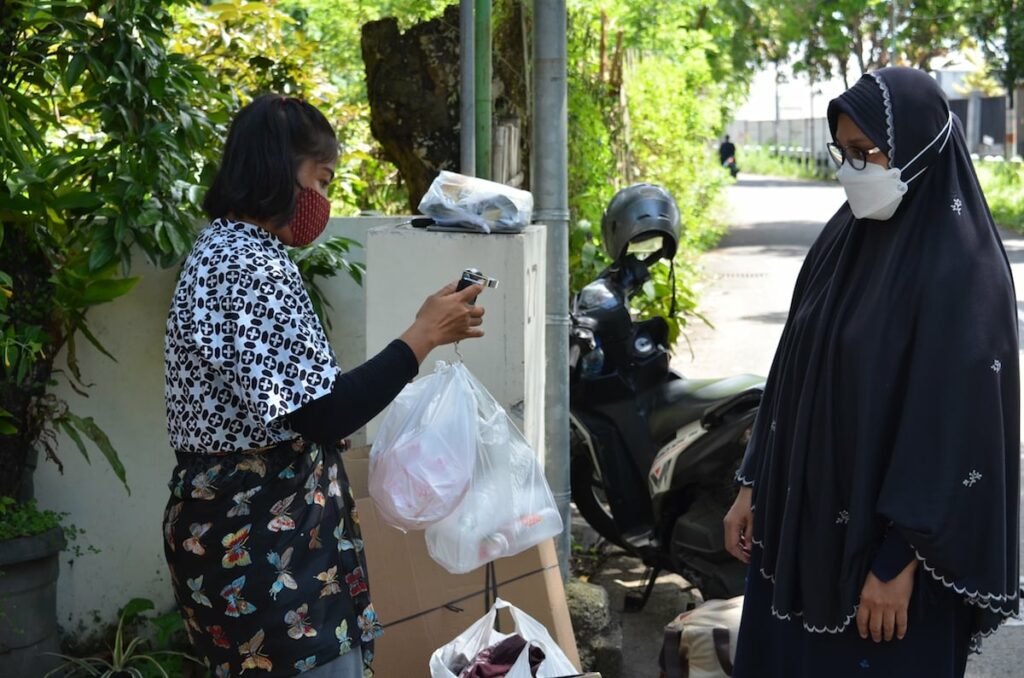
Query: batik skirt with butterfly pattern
266	560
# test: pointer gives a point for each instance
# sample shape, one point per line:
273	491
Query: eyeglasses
857	158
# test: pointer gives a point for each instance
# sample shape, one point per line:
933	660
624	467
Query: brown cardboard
405	581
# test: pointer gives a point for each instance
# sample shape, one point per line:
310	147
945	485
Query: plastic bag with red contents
423	458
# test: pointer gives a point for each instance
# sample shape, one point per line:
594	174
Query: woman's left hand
883	605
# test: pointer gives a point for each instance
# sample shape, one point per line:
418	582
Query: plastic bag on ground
476	204
508	507
482	635
422	461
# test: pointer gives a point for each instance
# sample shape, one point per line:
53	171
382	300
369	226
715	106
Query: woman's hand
739	526
444	318
883	605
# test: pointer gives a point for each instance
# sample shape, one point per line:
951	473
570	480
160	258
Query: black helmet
638	213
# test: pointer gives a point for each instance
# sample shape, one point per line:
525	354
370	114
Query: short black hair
267	141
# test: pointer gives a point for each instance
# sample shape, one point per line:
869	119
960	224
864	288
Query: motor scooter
653	454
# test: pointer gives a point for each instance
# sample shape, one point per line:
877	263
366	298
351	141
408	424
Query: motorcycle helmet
639	214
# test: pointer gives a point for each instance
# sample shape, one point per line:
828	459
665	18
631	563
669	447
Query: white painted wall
127	402
406	264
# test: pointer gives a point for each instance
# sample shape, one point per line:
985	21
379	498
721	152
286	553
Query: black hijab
893	399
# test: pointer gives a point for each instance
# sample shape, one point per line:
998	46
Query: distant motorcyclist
727	156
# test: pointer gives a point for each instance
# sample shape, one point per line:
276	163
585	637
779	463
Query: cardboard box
423	606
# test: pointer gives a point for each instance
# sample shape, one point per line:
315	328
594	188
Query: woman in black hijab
879	511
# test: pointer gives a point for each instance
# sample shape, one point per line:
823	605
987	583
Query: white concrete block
406	264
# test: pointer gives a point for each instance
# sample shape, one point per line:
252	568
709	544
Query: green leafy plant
111	117
102	151
128	656
325	260
1003	184
25	519
767	160
647	92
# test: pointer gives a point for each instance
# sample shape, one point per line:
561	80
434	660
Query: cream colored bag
701	643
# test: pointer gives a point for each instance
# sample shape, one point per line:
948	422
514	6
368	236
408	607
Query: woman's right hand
739	526
445	317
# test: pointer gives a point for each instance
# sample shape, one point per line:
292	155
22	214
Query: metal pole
811	160
467	104
778	137
483	88
892	28
550	185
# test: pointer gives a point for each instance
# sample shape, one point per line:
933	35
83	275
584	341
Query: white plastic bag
423	458
482	635
509	506
476	204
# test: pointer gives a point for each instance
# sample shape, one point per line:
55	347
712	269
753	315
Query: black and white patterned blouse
243	345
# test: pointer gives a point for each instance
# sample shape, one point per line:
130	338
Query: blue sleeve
894	555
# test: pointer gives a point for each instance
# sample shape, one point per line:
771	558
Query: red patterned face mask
312	211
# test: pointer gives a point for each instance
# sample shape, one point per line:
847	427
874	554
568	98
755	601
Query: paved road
749	280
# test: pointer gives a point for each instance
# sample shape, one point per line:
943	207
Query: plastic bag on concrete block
481	635
423	458
476	204
508	507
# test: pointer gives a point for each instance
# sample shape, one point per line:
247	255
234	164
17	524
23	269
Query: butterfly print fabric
267	561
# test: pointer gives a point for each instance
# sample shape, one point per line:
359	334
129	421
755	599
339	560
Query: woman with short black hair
261	533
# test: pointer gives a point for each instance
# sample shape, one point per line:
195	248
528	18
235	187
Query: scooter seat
682	401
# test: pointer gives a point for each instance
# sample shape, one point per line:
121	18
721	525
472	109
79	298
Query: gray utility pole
777	140
550	186
484	103
467	94
892	29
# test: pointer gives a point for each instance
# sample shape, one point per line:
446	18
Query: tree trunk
412	83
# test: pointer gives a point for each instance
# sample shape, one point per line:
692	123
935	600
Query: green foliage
111	120
1003	184
822	43
250	47
102	150
364	181
325	260
672	126
304	49
645	107
732	34
335	26
126	656
25	519
765	160
998	26
592	172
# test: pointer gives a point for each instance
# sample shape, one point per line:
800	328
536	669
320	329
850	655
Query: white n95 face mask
873	192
